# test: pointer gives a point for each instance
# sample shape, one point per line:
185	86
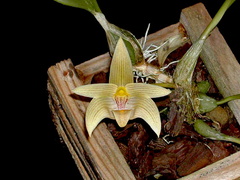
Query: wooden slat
216	54
96	65
225	169
65	132
99	155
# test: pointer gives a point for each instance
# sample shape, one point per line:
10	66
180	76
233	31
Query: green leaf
89	5
114	32
205	130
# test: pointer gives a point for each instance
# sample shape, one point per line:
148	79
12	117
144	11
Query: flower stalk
227	99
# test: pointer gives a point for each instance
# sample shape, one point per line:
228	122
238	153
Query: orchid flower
122	99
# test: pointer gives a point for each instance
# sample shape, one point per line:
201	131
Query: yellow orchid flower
121	98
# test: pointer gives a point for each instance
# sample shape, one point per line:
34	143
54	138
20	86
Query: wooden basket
99	157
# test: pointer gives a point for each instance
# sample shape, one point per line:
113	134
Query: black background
43	33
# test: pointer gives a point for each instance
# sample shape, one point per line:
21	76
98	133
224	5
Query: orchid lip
121	98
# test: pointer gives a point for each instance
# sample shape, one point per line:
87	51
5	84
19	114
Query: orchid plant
121	98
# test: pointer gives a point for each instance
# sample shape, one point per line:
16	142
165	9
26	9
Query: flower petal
97	110
146	109
96	90
121	66
122	117
149	90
